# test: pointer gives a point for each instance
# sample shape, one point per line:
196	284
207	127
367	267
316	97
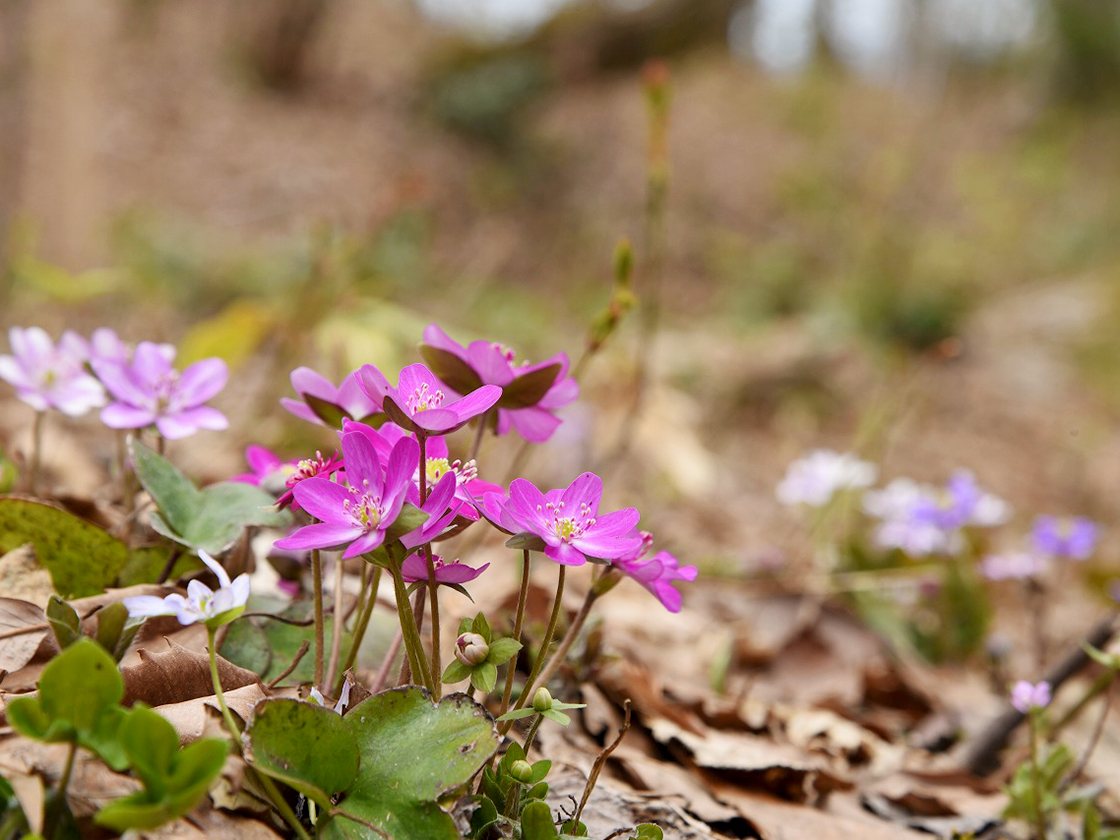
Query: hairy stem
519	618
265	782
569	637
363	623
526	692
54	815
1036	782
336	628
317	579
413	646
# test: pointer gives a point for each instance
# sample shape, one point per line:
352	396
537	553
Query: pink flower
1025	696
359	513
265	468
325	404
419	405
48	376
279	477
656	574
415	568
149	391
531	393
568	521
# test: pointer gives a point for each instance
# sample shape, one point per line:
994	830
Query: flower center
307	468
504	352
436	468
164	389
365	510
422	400
568	528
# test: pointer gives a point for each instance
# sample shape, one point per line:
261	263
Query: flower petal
123	416
323	499
320	535
587	490
201	381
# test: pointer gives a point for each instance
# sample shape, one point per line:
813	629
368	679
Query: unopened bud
623	262
521	770
542	700
471	649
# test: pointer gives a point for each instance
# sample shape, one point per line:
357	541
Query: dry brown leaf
752	761
178	674
22	577
190	717
23	628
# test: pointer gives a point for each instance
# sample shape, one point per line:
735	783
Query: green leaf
328	412
517	714
409	519
309	747
456	672
116	629
484	816
1108	660
78	700
502	650
481	626
526	541
64	621
268	647
528	390
540	770
485	676
455	373
557	717
211	519
537	791
649	830
81	558
537	822
174	780
412	755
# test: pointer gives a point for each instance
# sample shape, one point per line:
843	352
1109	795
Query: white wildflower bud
471	649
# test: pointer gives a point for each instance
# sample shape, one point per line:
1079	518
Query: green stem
569	637
317	579
527	691
522	599
1036	782
433	585
363	623
412	644
265	782
336	627
36	453
55	816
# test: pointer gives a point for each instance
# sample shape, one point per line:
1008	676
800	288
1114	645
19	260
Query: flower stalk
518	621
557	605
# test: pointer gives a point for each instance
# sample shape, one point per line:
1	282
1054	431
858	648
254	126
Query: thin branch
295	664
601	759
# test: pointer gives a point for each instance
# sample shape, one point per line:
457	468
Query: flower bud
542	700
471	649
522	771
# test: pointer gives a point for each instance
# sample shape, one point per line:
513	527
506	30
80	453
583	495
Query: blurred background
887	225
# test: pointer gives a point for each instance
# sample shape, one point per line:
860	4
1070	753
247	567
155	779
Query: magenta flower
48	376
149	391
358	513
568	520
325	404
415	568
1074	538
468	486
1025	696
418	403
656	574
280	477
531	393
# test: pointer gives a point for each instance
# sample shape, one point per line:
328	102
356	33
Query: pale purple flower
348	400
149	391
527	405
816	478
358	513
415	568
419	404
46	375
568	520
657	573
201	602
923	520
1074	538
1013	565
1026	696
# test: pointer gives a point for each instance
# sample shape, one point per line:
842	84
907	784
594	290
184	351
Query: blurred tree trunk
1087	36
279	38
15	65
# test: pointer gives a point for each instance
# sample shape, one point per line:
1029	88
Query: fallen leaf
23	628
178	674
191	717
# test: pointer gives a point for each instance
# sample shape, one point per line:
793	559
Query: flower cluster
139	384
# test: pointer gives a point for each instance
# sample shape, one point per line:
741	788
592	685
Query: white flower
201	603
814	479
